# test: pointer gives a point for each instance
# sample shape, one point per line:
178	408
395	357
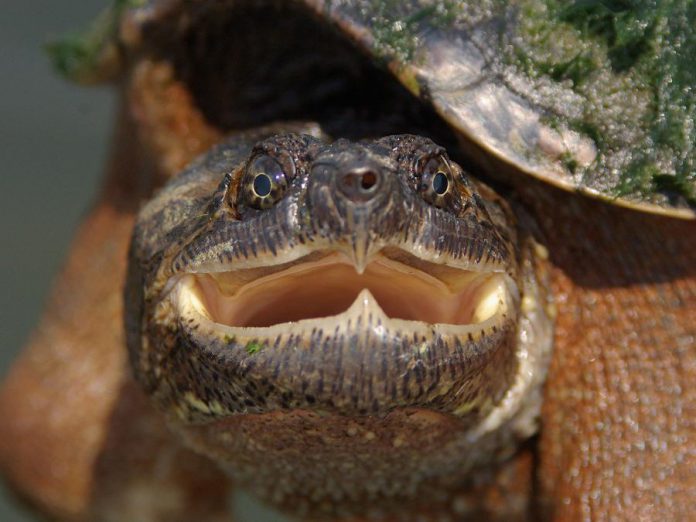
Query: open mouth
322	286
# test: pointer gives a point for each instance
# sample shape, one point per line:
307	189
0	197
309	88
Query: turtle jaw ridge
364	359
320	292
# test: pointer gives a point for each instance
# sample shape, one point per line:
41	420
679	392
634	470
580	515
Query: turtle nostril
360	185
368	180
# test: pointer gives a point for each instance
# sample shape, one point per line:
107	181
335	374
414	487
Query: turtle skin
618	435
617	430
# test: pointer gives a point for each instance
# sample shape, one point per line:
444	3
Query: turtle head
293	286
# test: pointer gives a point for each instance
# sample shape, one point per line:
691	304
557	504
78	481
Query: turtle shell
589	96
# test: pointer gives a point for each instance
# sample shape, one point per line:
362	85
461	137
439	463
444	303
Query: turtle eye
264	182
436	181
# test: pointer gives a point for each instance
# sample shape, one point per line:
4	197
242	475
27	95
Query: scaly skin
618	436
364	409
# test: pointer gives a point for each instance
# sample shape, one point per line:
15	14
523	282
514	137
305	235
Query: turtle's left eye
436	182
264	182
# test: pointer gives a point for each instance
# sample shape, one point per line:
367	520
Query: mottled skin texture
352	412
619	426
618	440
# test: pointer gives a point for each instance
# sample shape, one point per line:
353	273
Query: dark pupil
262	185
440	183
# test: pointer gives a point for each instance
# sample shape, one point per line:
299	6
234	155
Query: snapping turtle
341	314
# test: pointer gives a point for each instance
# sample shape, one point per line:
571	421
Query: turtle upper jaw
327	290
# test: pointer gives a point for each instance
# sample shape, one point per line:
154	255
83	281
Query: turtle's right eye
263	183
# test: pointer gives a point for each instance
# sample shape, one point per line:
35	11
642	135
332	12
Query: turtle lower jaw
328	293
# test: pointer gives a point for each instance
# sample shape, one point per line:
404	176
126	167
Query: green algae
77	55
632	63
253	347
629	61
396	24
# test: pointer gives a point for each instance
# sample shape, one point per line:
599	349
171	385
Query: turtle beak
349	197
359	187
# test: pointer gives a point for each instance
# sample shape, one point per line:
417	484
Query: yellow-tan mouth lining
330	286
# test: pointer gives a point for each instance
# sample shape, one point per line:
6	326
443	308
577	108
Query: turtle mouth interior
329	286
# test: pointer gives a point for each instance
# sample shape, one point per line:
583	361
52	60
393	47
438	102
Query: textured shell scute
571	93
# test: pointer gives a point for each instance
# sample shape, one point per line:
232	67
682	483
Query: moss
569	162
77	55
253	347
631	63
395	26
638	178
577	69
626	27
676	186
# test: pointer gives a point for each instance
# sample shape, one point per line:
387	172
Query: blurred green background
54	140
